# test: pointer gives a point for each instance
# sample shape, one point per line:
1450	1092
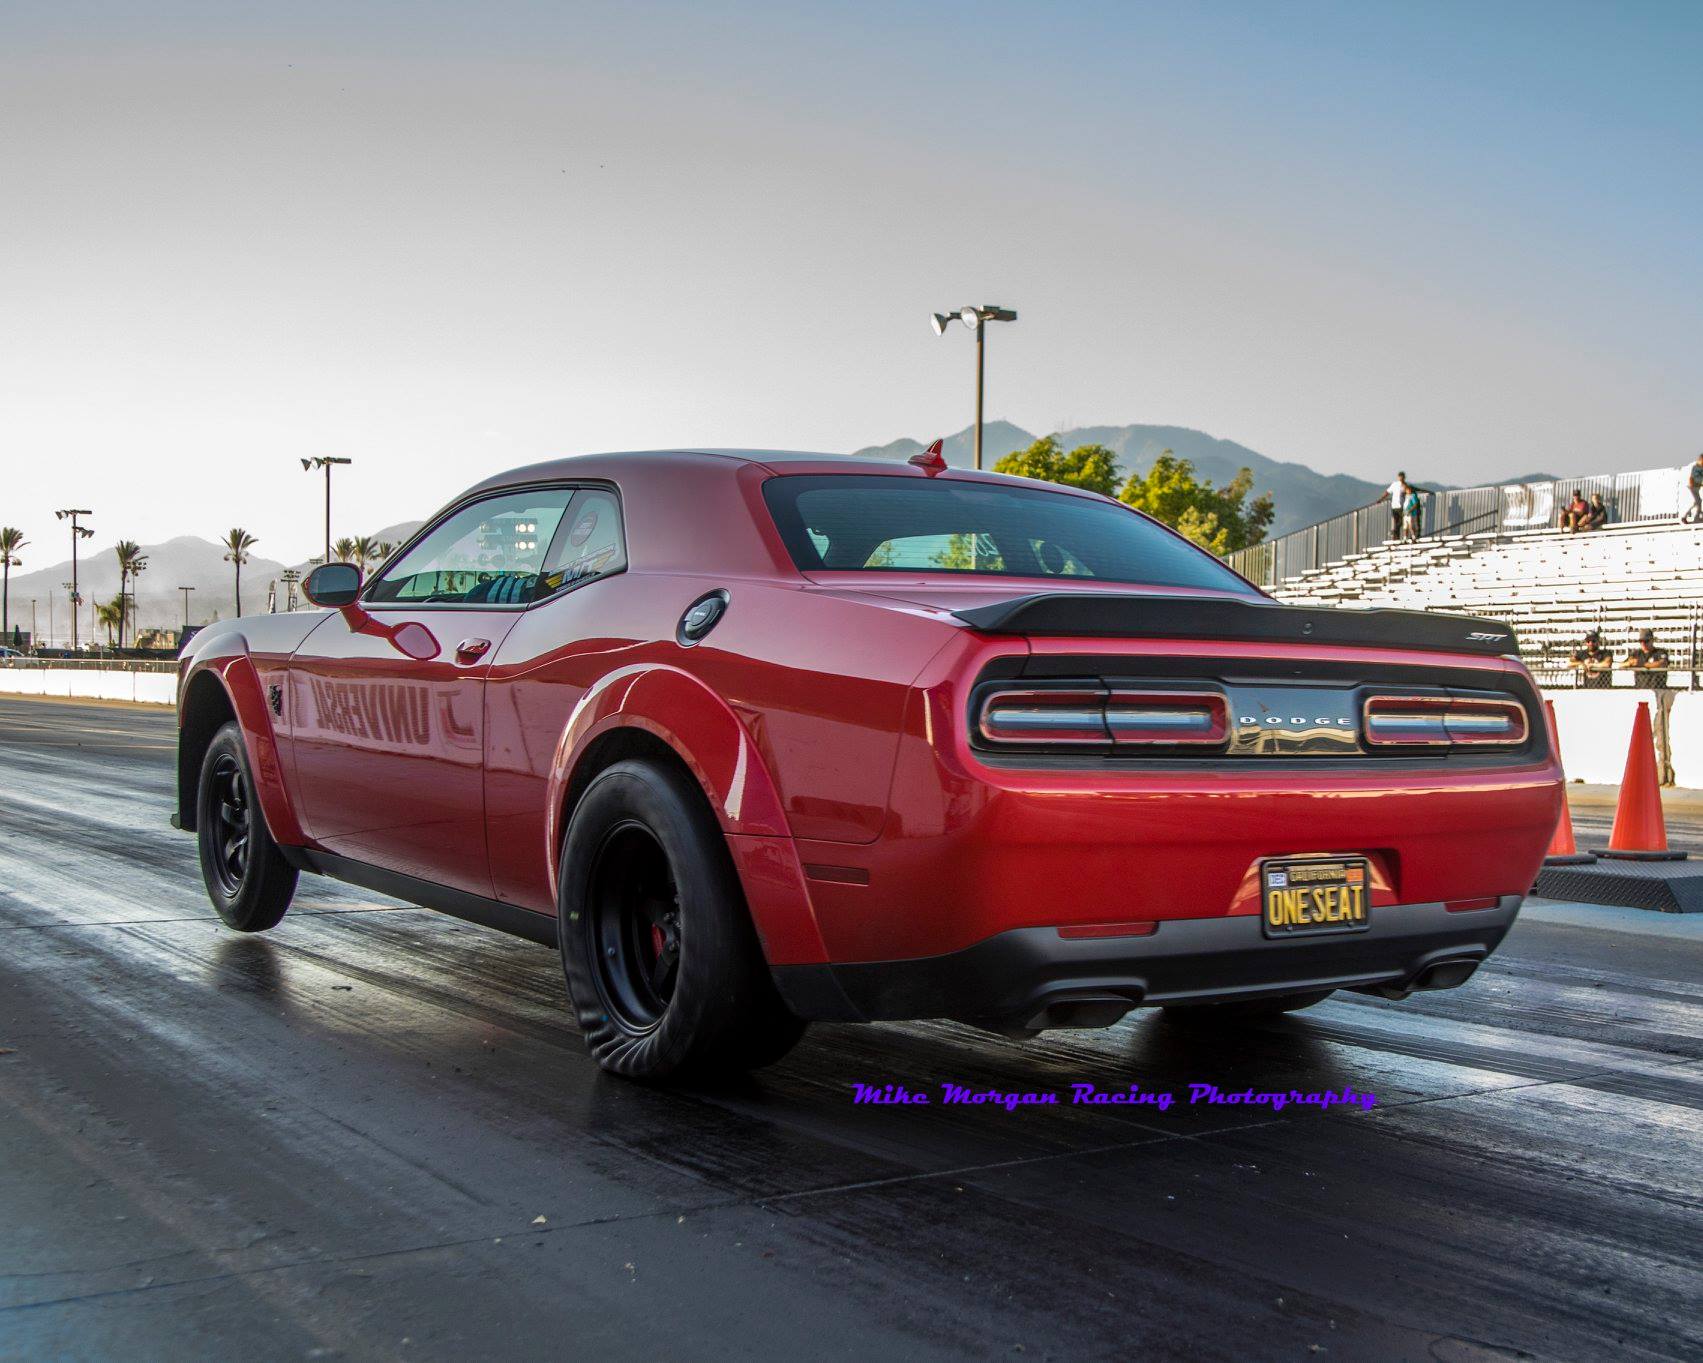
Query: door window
491	552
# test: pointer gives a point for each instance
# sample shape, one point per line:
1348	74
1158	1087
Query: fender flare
229	663
707	734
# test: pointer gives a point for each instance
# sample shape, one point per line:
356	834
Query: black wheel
663	966
248	880
1249	1010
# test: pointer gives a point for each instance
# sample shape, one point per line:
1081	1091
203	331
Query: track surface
373	1133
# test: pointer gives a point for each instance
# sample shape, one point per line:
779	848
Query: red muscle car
760	738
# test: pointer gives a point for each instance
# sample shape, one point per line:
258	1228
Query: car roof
686	510
612	464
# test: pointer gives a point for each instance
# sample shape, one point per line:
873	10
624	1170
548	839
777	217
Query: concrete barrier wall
1685	739
1596	729
93	683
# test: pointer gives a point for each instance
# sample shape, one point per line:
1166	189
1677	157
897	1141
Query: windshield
874	523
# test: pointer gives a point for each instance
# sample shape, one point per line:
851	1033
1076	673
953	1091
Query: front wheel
663	966
248	880
1249	1010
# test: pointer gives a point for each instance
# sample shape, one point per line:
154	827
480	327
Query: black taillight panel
1189	717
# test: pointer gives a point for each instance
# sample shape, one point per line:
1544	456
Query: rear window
873	523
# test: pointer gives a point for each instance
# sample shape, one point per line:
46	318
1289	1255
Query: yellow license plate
1315	895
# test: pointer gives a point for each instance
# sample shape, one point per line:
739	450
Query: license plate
1303	897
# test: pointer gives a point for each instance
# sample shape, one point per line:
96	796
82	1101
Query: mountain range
1302	497
185	561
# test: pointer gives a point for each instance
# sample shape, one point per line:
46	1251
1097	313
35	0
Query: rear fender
708	736
226	664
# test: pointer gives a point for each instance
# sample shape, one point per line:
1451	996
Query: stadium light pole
325	461
976	319
186	591
77	532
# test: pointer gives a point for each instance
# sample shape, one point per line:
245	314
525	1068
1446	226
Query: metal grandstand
1498	551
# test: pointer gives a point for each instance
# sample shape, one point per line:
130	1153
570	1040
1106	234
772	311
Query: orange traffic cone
1563	850
1639	833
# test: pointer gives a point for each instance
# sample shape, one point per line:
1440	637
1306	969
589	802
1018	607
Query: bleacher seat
1550	586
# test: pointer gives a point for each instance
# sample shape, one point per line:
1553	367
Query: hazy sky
1466	240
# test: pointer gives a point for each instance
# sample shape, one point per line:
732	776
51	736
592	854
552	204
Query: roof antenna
931	461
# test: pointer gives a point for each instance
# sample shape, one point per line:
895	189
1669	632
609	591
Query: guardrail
94	663
1649	495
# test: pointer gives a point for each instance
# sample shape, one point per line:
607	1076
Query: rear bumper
1028	979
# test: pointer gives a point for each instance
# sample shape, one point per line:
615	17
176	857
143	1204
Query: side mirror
333	584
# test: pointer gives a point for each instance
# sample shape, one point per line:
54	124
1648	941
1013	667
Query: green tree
343	550
110	614
11	540
1218	519
1093	468
237	544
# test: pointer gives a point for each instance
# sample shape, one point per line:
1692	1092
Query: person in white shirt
1396	495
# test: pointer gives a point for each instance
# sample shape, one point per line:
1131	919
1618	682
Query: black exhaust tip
1082	1010
1445	975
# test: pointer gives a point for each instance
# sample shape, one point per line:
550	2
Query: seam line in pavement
160	922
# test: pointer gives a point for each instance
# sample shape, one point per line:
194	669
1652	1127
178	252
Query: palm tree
137	564
343	550
110	614
131	560
10	542
366	552
237	544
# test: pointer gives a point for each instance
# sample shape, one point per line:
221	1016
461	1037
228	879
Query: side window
490	552
928	552
589	543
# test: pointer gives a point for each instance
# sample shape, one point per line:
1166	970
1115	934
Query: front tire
663	966
248	880
1250	1010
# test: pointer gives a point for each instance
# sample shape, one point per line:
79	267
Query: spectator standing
1649	662
1694	484
1575	513
1594	662
1396	495
1413	514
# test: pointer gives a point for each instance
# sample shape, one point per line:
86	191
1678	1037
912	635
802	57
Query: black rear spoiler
1105	615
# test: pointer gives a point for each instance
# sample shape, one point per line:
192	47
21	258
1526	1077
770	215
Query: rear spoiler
1105	615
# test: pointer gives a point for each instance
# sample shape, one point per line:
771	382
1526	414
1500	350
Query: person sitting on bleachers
1576	514
1649	662
1597	515
1595	663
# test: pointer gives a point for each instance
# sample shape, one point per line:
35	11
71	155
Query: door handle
471	650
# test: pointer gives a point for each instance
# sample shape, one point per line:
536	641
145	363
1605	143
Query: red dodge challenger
759	738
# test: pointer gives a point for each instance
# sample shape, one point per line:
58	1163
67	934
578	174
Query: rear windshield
874	523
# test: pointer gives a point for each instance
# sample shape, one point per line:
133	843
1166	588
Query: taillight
1443	722
1049	718
1168	717
1044	717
